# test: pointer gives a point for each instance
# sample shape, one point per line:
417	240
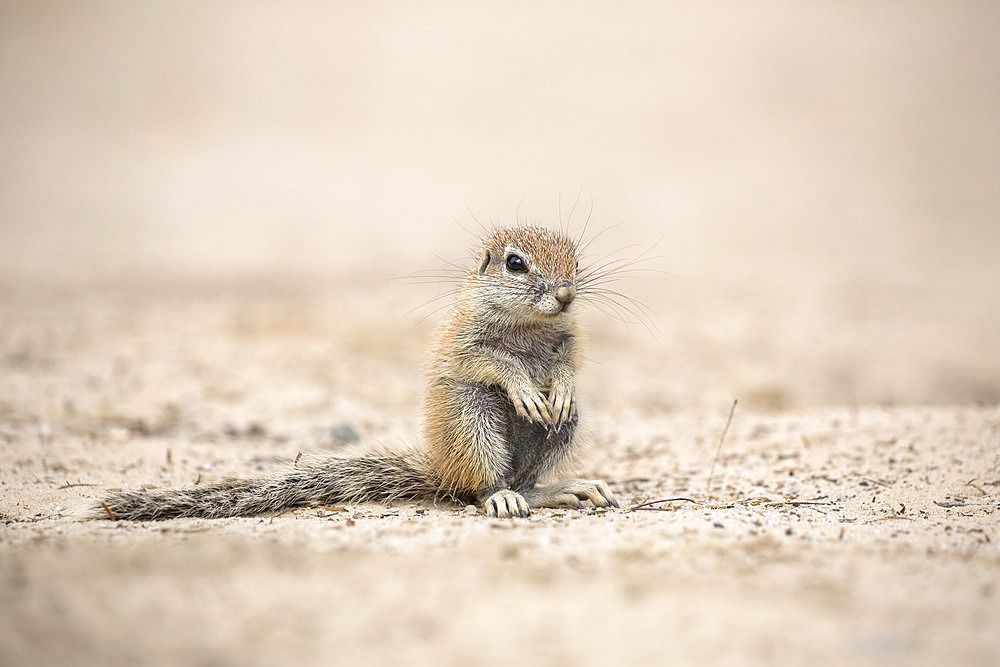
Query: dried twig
111	515
749	501
649	505
68	485
796	503
281	513
975	486
718	450
331	508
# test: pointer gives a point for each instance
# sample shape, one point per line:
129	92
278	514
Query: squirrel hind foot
570	493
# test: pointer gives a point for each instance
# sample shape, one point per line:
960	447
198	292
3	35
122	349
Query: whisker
630	302
606	300
637	315
455	263
563	225
643	256
610	313
436	310
585	243
604	279
576	201
613	275
579	241
614	310
482	228
432	281
418	277
456	271
608	260
610	265
590	214
463	227
443	295
605	291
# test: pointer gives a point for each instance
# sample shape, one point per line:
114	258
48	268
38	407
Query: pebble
344	433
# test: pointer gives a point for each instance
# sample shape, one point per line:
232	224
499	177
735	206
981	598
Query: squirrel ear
486	262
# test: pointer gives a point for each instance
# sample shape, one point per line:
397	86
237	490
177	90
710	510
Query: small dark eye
515	264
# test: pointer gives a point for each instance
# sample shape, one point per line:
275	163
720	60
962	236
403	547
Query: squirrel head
530	272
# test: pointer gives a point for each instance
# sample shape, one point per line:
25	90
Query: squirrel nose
565	293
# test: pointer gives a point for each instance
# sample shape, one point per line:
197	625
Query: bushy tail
313	481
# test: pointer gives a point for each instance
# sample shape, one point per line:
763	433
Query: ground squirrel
500	410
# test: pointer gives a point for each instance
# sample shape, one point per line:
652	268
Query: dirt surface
838	534
204	214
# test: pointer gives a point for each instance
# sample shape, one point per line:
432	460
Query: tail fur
313	481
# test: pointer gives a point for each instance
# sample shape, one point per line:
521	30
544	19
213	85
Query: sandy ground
837	534
204	213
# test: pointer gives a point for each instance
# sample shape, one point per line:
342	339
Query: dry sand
203	209
838	534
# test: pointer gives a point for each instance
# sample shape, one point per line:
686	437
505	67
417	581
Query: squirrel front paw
506	504
562	401
530	404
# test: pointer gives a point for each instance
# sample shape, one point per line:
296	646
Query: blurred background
823	180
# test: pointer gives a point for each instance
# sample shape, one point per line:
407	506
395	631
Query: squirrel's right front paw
506	504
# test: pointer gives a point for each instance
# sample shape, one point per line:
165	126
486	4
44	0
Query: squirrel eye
515	264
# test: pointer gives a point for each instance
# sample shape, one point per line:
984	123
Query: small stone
471	509
344	433
119	434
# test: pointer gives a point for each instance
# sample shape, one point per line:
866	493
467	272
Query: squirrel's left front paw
562	401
